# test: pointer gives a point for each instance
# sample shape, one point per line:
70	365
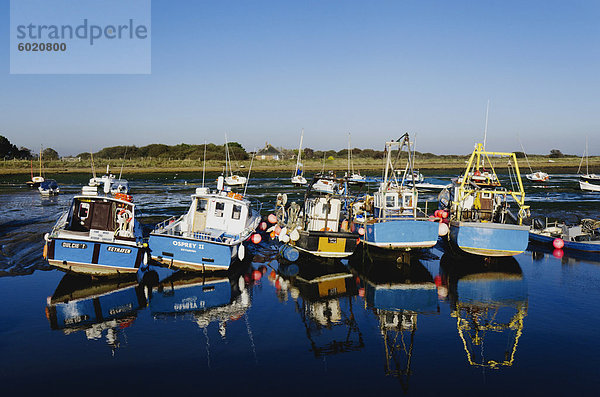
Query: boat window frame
219	212
235	207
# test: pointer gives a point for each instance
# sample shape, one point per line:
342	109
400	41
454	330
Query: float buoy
558	253
256	238
262	226
443	229
558	243
272	218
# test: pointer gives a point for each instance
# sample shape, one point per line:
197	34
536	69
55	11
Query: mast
299	153
523	149
41	159
587	156
349	174
487	110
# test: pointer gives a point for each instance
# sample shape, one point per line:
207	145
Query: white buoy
295	235
283	234
443	229
284	238
145	258
241	252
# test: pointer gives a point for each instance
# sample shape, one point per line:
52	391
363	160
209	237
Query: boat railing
162	225
60	224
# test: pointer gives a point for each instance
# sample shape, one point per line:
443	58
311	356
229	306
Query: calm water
422	325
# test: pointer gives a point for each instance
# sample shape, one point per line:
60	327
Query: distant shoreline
569	164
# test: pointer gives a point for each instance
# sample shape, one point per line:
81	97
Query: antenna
250	170
204	164
121	173
92	158
487	110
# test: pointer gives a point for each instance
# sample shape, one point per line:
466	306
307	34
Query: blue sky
263	70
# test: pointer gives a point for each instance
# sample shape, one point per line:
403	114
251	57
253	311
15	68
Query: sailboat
588	182
298	177
232	179
537	176
354	178
36	180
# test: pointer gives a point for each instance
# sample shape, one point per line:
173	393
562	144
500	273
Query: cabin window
236	212
326	208
84	210
219	209
390	201
408	201
201	205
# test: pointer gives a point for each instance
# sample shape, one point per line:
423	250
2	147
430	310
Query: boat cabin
395	203
323	214
216	213
101	217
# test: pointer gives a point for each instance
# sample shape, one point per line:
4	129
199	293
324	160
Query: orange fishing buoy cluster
558	243
272	218
441	214
256	238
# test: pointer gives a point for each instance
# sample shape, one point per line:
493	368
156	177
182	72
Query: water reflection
489	301
397	289
95	306
202	298
322	292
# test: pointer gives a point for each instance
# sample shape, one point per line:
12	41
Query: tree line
185	151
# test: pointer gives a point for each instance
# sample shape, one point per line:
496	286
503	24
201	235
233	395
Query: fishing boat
582	237
320	225
481	221
488	298
210	235
231	179
49	187
354	177
97	235
395	220
537	176
298	177
116	185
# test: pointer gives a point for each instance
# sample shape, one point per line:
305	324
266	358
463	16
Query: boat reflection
397	289
322	292
204	298
488	297
81	303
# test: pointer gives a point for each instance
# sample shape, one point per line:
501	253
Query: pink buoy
558	253
272	218
361	292
436	213
558	243
277	230
262	226
256	238
444	214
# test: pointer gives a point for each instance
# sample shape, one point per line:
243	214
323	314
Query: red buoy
256	238
262	226
256	275
558	243
361	231
277	230
361	292
437	280
444	214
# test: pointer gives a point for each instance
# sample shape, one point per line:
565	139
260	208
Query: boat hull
586	246
401	234
327	244
489	239
93	257
190	254
591	187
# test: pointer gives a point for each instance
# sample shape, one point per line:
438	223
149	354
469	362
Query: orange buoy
272	234
272	218
256	275
277	230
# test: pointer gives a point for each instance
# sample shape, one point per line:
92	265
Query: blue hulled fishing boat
98	235
210	235
396	221
582	237
481	222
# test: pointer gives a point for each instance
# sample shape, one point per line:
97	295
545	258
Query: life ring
125	215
